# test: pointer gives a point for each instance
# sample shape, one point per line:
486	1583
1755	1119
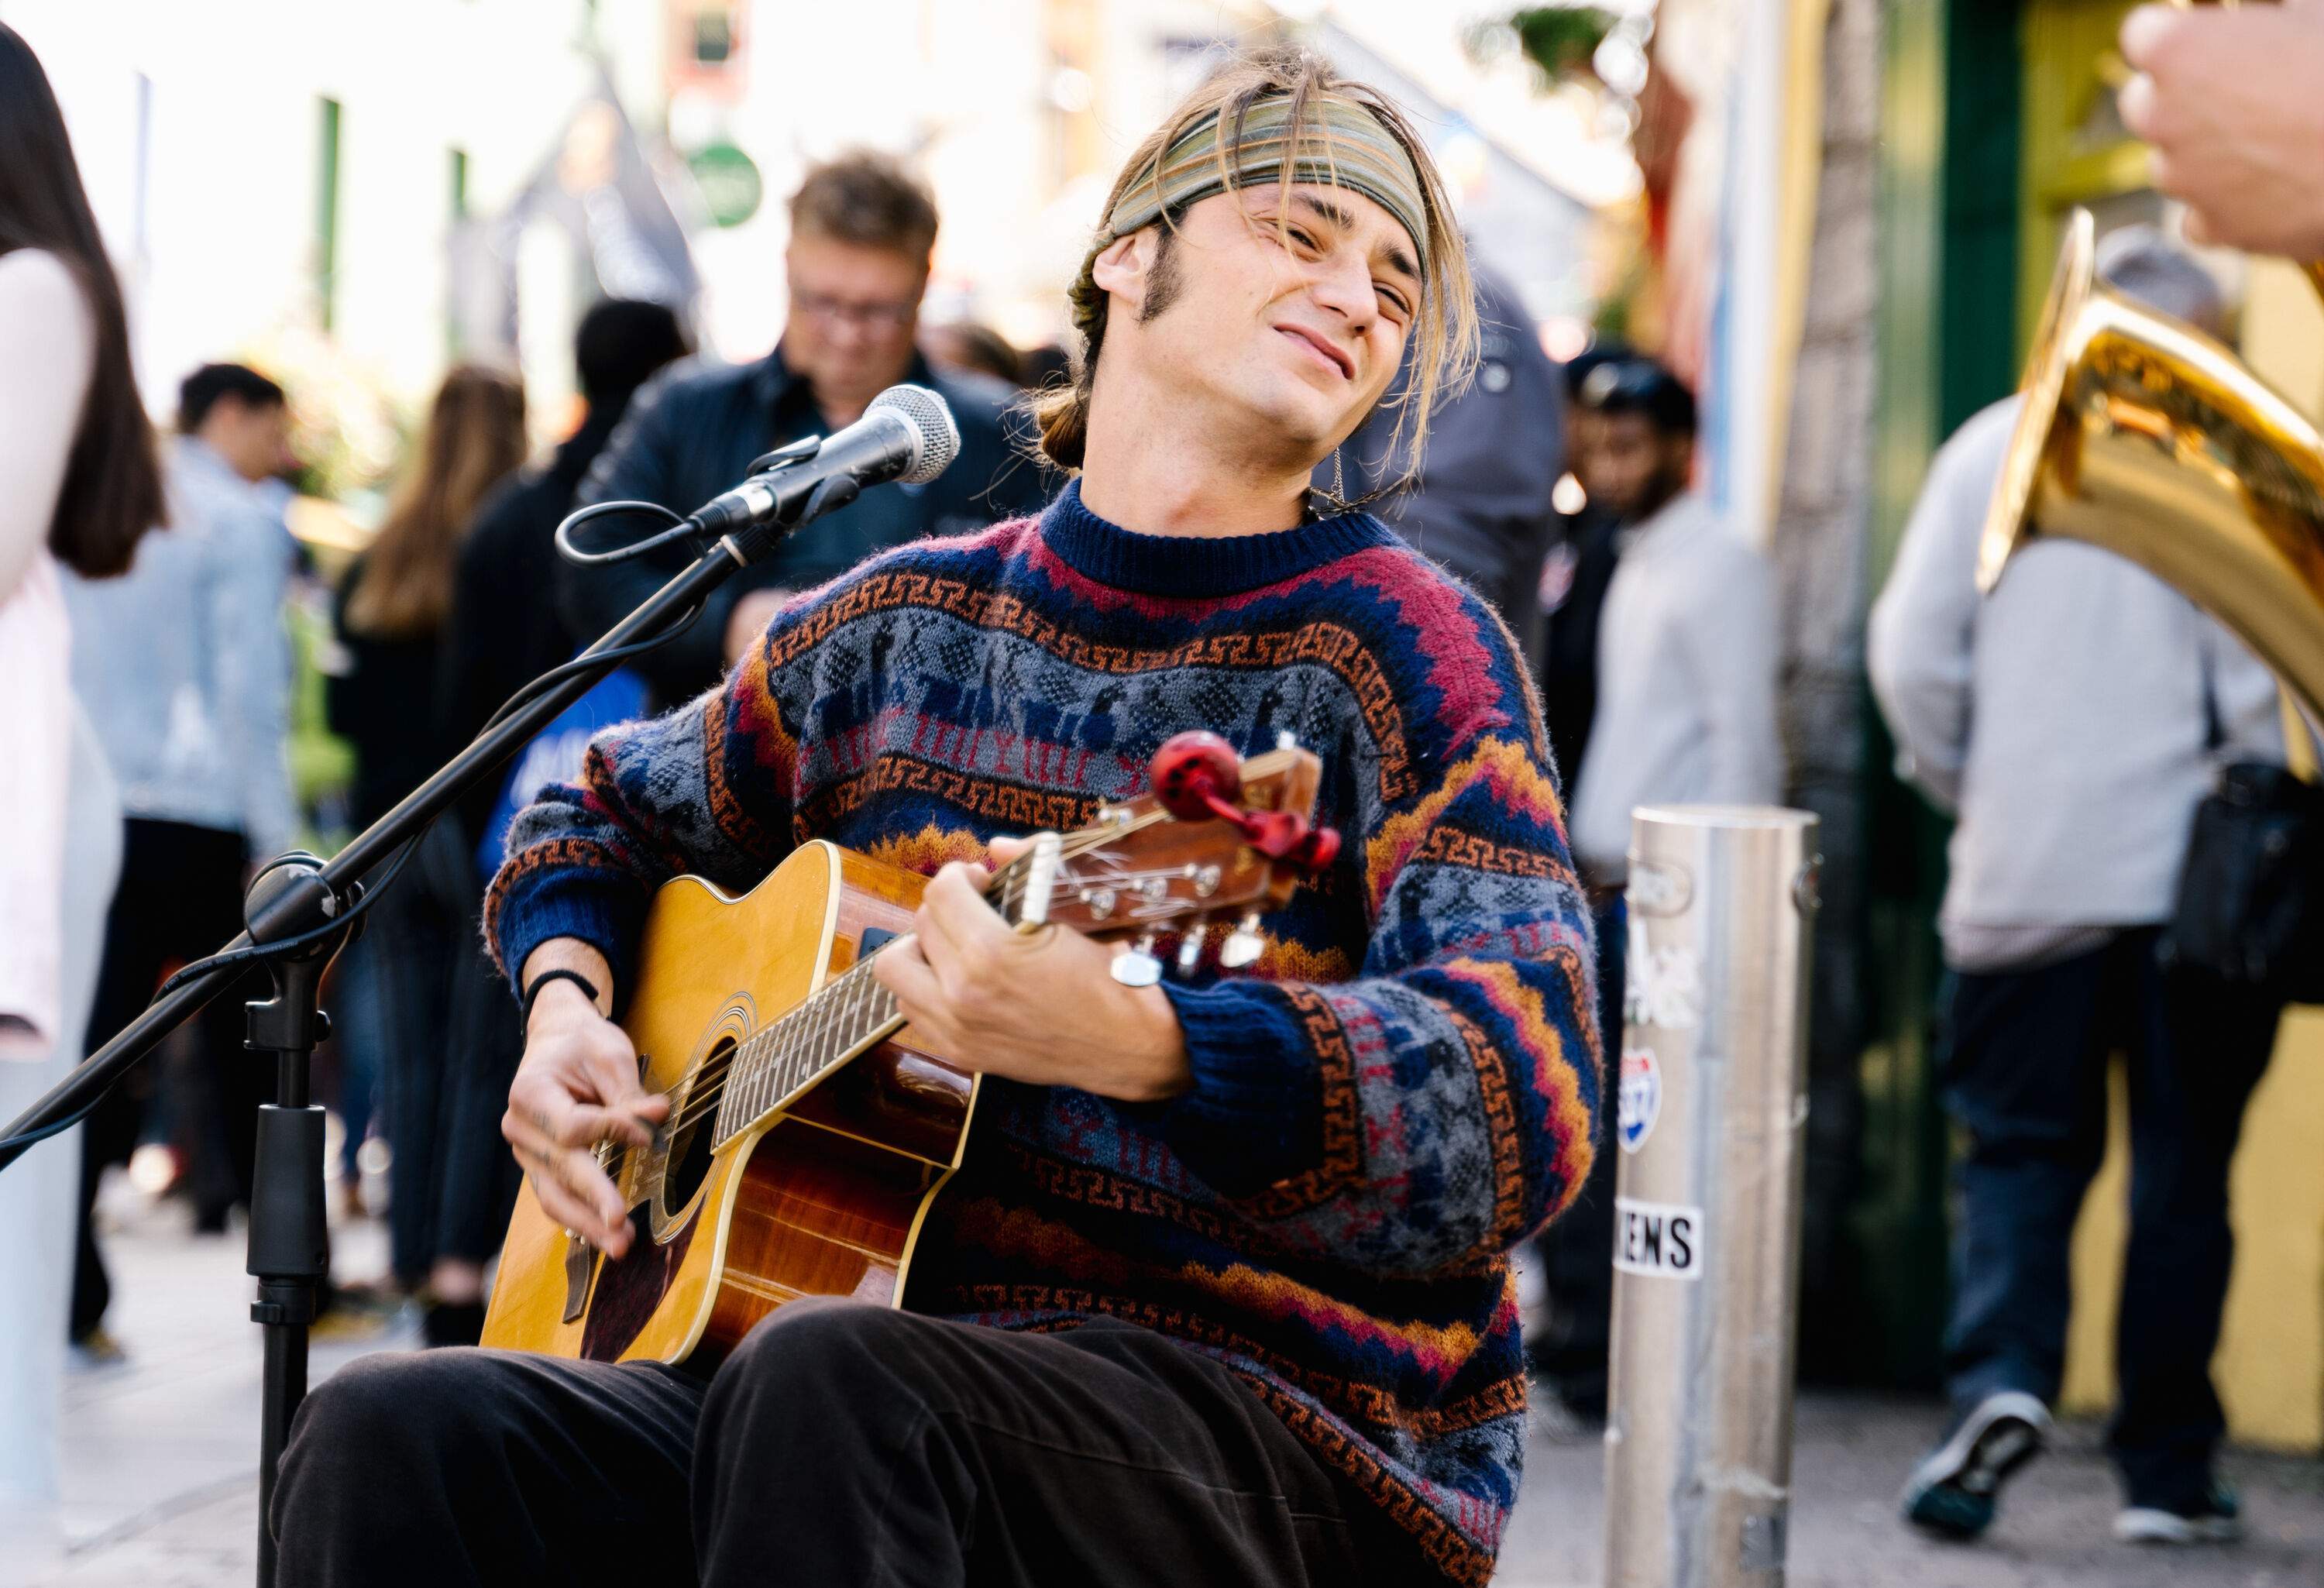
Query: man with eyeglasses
863	229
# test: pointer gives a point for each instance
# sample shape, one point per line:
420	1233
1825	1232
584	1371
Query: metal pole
1712	1102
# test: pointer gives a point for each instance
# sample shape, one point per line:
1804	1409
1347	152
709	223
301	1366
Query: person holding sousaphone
1217	1292
2073	723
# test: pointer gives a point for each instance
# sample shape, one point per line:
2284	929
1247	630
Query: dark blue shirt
693	433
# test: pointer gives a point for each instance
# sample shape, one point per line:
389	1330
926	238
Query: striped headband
1362	155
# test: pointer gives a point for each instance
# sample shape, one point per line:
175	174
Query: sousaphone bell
2142	435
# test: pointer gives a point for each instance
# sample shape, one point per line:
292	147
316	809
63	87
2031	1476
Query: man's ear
1120	269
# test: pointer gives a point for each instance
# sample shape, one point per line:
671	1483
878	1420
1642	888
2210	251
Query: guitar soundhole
690	1148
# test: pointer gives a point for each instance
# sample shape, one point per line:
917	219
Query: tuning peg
1137	967
1190	947
1242	945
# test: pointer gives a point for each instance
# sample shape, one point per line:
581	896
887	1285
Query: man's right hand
2229	100
577	1086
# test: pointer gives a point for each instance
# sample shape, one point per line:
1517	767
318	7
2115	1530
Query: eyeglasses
893	316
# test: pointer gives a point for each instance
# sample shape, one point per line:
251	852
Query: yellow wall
2270	1366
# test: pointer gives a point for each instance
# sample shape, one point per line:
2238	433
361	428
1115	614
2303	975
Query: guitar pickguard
630	1287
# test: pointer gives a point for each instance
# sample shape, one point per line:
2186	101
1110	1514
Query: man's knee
392	1405
816	1339
819	1354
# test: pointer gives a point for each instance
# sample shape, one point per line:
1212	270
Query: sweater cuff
1254	1114
604	913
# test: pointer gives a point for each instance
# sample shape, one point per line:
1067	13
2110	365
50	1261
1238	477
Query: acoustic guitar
807	1132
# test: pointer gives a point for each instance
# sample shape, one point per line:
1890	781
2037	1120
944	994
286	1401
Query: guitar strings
699	1105
1005	883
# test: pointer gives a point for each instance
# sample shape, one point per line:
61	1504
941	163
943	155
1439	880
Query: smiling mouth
1331	355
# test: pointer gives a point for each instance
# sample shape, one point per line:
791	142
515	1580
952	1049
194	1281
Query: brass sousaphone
2142	435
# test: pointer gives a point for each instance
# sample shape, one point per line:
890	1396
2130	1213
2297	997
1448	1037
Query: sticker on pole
1657	1239
1639	1101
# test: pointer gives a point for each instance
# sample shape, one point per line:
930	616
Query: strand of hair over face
1441	349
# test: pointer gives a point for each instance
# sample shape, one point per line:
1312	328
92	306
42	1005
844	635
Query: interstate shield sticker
1638	1101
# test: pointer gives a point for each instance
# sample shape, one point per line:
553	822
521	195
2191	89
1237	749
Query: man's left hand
1039	1007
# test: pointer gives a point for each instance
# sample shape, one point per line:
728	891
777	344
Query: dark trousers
180	899
840	1443
2025	1075
391	1006
1577	1252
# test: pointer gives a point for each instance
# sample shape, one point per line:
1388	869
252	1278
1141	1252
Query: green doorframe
1952	116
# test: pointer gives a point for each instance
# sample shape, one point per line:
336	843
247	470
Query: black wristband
532	989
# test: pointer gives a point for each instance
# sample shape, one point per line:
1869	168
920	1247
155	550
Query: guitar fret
818	1037
819	1047
858	980
778	1082
737	1105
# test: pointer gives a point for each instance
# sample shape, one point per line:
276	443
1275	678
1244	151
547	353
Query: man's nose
1345	286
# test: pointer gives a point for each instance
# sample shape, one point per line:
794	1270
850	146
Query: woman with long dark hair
393	614
78	485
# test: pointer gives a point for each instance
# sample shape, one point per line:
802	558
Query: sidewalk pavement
159	1488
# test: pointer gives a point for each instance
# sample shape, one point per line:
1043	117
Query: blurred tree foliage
1560	40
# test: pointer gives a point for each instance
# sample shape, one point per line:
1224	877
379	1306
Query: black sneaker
2217	1518
1952	1493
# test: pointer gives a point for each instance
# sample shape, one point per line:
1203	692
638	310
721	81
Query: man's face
852	313
1631	466
1292	333
254	441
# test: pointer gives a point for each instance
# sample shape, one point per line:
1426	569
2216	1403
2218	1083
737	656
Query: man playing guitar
1219	1293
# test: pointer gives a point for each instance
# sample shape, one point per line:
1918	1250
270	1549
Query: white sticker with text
1658	1239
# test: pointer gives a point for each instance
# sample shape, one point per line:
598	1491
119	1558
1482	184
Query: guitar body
822	1198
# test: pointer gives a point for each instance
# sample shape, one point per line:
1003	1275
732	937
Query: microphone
907	434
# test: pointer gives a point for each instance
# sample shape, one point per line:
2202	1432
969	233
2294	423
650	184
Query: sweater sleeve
1441	1105
703	790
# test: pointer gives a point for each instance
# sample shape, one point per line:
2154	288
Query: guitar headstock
1195	852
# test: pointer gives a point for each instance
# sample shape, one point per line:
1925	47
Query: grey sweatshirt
1686	683
2062	720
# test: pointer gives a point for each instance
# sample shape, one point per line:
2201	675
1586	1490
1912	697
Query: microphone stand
300	896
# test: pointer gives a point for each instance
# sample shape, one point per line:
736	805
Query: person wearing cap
2069	723
1220	1292
1685	715
1686	640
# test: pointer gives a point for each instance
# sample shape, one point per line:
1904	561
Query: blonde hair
1442	348
474	437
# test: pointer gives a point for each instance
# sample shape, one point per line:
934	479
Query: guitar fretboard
851	1014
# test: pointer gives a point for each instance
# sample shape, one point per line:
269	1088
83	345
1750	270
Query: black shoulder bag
2251	896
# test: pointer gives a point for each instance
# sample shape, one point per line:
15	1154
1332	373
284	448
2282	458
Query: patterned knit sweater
1400	1090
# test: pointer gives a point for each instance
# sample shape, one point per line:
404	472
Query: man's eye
1300	237
1396	300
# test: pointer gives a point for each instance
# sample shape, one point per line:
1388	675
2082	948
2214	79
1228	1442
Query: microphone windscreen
931	420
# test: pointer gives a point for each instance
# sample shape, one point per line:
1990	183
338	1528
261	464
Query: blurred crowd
2101	702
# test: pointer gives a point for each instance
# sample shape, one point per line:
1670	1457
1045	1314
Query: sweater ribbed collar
1195	567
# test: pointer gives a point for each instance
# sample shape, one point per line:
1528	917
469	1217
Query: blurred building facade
354	194
282	180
